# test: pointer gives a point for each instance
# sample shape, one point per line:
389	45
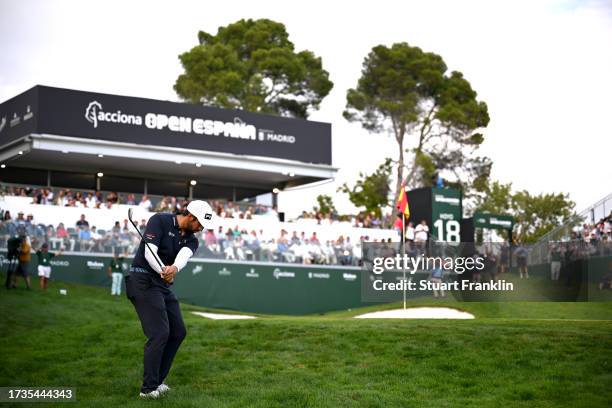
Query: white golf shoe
151	394
163	388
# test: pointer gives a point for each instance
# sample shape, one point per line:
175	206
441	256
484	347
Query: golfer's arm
151	258
182	257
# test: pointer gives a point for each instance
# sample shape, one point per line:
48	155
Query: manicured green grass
508	356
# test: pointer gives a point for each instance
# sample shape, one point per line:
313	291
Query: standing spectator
521	260
555	262
421	233
24	261
410	235
13	247
504	257
115	271
6	216
82	222
44	264
436	278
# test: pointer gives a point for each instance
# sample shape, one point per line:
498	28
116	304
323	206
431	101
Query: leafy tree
407	92
534	215
326	205
371	191
252	65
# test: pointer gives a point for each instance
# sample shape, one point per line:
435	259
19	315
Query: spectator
24	261
294	238
410	235
436	278
82	222
85	242
44	264
521	260
555	262
6	216
131	199
421	233
143	226
96	240
313	239
145	203
91	201
115	272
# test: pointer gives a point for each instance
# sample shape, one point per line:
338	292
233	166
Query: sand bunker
418	313
221	316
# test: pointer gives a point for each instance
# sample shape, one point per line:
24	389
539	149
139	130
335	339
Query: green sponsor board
252	287
493	221
446	214
269	288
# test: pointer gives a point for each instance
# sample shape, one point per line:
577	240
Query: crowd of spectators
225	243
240	244
599	231
223	208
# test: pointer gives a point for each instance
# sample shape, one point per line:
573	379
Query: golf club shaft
143	240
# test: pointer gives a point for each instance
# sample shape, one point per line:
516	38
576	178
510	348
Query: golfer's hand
168	273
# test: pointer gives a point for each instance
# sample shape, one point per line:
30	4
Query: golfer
171	238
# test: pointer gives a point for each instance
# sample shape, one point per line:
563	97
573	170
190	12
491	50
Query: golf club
143	240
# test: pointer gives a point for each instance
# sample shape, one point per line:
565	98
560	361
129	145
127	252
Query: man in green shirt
115	271
44	264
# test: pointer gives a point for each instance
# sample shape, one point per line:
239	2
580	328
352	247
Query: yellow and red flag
402	203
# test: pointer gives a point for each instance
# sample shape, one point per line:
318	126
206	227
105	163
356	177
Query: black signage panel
18	116
152	122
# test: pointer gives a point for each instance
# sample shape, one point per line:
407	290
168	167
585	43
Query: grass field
511	355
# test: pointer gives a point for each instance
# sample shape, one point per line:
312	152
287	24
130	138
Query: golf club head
130	212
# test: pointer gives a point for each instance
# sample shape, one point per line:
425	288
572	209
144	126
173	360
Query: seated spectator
85	239
143	226
91	201
267	250
163	205
145	203
20	219
131	199
294	238
97	240
211	242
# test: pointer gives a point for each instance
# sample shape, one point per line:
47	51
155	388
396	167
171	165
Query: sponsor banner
152	122
493	221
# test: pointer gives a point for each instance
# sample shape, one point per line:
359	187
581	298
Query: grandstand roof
83	132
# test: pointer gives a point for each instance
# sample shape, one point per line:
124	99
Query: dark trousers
10	271
162	323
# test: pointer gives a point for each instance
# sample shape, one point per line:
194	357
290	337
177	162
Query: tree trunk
400	169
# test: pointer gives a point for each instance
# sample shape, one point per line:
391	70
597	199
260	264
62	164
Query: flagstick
403	253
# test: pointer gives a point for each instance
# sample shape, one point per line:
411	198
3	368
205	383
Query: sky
543	68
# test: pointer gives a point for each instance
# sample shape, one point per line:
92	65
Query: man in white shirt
421	233
145	203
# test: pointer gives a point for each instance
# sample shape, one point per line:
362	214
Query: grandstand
590	230
258	236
